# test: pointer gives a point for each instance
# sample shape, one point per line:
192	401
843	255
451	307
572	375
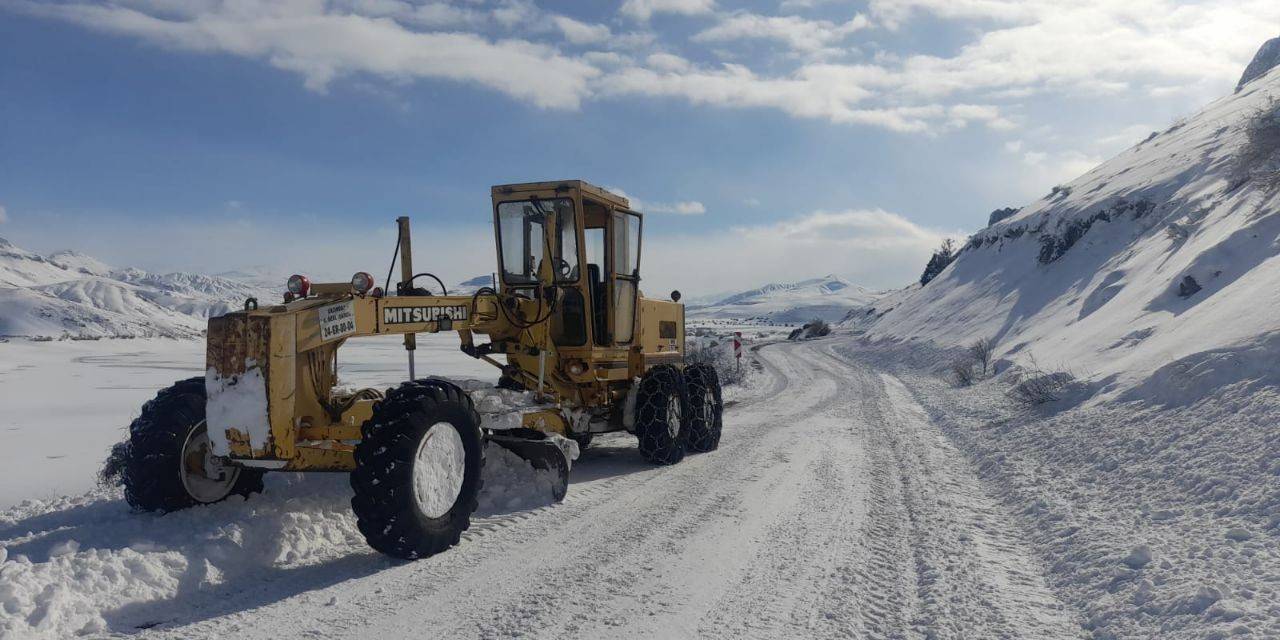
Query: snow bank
1155	521
87	565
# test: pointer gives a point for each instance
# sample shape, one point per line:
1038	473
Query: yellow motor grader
566	325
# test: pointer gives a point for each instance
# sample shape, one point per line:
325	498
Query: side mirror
675	296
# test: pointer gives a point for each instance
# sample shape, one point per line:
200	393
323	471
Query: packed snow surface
833	508
856	493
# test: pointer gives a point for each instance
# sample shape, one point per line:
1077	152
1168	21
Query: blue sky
768	141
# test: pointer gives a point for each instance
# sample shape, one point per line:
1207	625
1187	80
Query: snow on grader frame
567	316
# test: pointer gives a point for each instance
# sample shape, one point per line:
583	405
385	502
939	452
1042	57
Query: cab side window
596	285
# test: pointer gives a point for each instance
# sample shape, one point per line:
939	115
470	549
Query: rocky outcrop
1267	58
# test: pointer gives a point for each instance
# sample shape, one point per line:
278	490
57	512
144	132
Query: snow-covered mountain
74	294
829	298
1160	263
470	286
70	293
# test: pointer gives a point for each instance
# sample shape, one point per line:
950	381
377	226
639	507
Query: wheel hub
438	470
204	476
673	417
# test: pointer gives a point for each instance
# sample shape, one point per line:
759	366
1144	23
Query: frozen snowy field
855	494
66	402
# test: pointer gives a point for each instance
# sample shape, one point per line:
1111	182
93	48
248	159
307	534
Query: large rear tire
661	405
706	408
418	465
168	464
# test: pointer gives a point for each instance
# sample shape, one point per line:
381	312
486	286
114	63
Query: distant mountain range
830	298
71	294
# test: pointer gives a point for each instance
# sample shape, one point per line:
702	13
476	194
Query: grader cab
566	325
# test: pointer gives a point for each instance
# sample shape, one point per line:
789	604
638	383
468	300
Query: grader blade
543	454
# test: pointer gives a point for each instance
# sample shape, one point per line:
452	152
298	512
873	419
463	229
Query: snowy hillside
1130	417
1162	259
829	298
74	294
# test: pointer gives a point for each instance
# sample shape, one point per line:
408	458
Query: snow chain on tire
152	472
704	421
661	442
388	511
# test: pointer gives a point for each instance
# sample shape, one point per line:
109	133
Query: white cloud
1044	169
876	248
830	92
894	12
792	5
580	32
512	13
1088	45
428	14
1018	49
798	34
321	45
683	208
668	62
987	114
645	9
605	59
4	214
1126	137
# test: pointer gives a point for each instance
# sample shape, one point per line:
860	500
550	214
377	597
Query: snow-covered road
833	508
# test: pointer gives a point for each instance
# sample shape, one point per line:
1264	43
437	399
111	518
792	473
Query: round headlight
299	285
361	282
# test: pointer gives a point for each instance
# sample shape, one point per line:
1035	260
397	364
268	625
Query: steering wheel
561	267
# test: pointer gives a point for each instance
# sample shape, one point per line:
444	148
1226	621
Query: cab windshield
531	230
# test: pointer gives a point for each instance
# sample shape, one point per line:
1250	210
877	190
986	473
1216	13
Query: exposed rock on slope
1267	58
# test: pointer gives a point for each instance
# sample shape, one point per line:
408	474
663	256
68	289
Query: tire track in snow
621	575
830	510
970	570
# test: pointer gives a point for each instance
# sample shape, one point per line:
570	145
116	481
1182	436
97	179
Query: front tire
706	407
417	476
661	405
168	464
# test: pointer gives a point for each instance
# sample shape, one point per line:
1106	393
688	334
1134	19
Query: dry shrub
1259	158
